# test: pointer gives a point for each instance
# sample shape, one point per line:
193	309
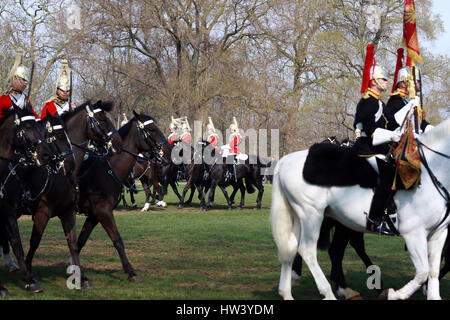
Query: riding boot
376	218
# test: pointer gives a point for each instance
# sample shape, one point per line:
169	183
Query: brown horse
86	123
101	181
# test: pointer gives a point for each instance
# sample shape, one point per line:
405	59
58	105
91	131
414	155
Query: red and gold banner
410	33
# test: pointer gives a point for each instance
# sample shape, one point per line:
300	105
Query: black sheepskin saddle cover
332	165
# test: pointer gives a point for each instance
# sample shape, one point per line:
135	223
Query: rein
437	184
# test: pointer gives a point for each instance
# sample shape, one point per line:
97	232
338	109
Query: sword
31	80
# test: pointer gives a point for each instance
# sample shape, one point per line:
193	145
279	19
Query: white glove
428	127
396	135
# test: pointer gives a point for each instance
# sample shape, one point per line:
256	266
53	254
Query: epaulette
400	92
51	100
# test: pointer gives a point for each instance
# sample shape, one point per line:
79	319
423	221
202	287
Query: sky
442	44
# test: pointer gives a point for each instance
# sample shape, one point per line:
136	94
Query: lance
70	96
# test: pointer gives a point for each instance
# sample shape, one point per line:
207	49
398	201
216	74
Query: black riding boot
376	218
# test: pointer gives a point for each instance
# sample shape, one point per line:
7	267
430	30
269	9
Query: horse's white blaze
298	209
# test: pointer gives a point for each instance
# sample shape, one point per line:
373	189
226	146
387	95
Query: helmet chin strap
382	87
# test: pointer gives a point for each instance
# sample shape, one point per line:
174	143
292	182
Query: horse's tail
324	237
265	163
283	220
249	186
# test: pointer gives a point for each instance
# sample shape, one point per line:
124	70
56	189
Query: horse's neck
438	139
76	130
122	163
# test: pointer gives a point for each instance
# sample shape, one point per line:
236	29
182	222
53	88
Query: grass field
192	255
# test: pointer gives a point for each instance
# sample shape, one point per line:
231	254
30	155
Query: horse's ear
97	104
136	114
107	106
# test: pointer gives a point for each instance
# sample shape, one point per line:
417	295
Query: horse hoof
230	208
135	279
357	297
34	287
4	293
179	206
86	284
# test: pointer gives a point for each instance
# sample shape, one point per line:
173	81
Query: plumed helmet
403	75
18	69
209	127
172	125
22	72
378	72
233	127
184	126
63	81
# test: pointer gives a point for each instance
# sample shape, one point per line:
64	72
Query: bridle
30	149
156	148
98	131
51	139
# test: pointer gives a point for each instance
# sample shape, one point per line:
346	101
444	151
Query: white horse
298	209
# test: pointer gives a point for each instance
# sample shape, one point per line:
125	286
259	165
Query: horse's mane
436	135
123	130
105	106
6	114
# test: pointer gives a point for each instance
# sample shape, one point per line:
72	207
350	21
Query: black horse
102	179
192	158
251	170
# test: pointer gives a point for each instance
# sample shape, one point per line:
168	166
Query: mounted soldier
186	131
231	150
213	137
63	100
374	126
400	97
19	78
173	137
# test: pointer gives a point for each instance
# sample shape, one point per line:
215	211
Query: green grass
192	255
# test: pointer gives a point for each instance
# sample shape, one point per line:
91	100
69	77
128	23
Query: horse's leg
417	248
41	219
12	228
175	189
336	252
122	195
235	190
132	199
68	222
211	194
446	256
296	268
311	220
202	196
192	194
186	188
89	225
146	187
106	218
435	246
7	257
225	193
242	189
260	187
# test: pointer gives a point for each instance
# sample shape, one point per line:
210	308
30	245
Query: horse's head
151	138
54	132
101	129
25	136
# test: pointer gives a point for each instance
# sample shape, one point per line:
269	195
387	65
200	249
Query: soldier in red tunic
19	78
173	137
186	135
213	138
60	103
